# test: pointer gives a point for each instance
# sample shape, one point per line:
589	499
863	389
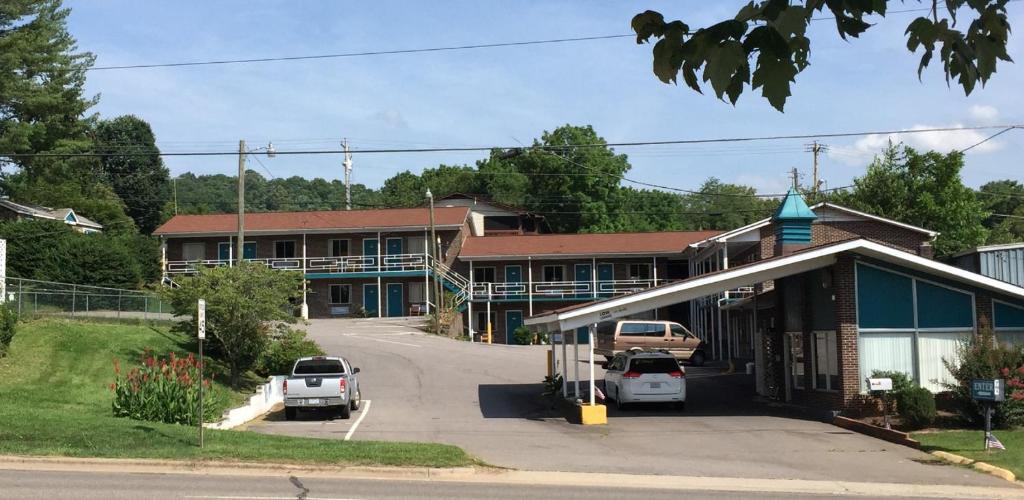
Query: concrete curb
510	477
979	466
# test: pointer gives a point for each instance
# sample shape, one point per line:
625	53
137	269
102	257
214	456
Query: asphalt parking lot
418	387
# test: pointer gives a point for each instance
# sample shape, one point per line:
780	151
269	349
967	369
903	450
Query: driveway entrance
485	398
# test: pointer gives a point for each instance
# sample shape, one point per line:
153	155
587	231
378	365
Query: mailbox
880	384
988	390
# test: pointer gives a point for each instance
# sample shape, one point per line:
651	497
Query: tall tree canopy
1005	201
141	180
766	44
923	189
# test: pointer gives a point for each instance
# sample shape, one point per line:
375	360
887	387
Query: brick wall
844	282
825	232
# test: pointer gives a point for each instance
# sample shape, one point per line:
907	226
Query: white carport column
469	302
565	368
590	344
377	266
576	364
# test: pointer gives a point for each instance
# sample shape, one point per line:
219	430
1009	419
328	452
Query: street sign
988	390
201	319
880	384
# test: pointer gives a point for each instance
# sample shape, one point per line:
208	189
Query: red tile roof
391	218
667	242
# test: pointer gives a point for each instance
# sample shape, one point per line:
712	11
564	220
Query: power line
364	54
543	147
983	141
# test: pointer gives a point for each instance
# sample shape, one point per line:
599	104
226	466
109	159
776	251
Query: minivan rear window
319	367
642	330
653	365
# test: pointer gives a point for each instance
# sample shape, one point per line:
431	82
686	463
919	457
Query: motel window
193	251
554	273
340	294
284	249
416	295
481	321
826	361
337	248
640	271
483	274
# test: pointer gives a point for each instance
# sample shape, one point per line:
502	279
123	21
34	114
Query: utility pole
241	201
348	174
438	299
174	182
795	174
815	148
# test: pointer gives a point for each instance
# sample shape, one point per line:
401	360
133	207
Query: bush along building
820	298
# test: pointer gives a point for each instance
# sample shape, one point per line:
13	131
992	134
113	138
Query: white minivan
645	377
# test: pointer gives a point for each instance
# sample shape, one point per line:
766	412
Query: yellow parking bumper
593	415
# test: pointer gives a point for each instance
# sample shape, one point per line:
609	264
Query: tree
766	45
241	301
1005	200
923	189
719	205
142	182
42	75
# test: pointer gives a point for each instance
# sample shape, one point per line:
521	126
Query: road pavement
485	399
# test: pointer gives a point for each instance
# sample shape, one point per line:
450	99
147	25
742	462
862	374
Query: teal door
583	276
370	294
605	274
395	300
393	247
224	251
370	252
514	275
513	320
249	250
583	335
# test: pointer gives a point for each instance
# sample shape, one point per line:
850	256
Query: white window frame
416	285
834	336
295	248
330	293
544	272
330	247
650	271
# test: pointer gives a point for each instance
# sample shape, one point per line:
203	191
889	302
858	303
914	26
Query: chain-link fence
46	298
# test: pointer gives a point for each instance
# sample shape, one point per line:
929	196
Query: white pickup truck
322	382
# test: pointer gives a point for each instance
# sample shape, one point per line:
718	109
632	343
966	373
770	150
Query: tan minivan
614	337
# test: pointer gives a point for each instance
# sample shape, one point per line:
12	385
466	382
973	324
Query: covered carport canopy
573	317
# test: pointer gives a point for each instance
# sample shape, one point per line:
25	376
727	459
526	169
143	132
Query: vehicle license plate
655	385
312	401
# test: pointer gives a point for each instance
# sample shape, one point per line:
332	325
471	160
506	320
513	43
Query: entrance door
393	246
224	251
370	294
513	320
583	335
249	250
605	274
514	276
370	253
395	302
583	276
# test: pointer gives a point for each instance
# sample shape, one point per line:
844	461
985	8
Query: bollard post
74	289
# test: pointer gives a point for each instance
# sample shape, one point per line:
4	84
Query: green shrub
522	336
8	324
280	356
163	390
982	357
917	407
900	384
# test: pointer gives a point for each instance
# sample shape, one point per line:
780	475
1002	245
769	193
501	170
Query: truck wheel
697	359
356	401
289	413
345	411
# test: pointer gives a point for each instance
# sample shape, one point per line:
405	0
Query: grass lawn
55	400
971	445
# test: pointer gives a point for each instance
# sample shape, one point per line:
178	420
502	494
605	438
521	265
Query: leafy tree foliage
766	44
241	302
142	182
1005	200
923	189
52	251
719	205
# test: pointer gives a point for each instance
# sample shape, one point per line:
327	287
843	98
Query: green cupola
793	221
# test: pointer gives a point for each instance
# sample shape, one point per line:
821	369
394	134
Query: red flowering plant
162	390
984	356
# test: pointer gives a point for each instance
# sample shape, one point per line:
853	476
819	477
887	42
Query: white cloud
984	114
863	150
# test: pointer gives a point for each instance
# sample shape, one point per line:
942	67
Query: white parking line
362	414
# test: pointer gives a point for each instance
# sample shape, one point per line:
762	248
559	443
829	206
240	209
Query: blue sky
505	96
